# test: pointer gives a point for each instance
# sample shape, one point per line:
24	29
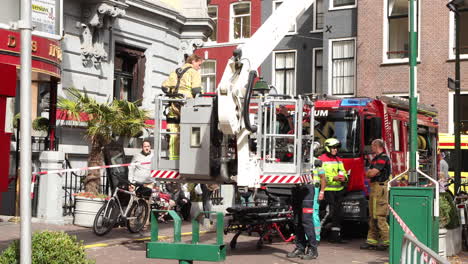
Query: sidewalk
11	231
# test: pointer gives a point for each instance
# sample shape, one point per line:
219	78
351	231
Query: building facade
383	45
318	55
235	22
112	49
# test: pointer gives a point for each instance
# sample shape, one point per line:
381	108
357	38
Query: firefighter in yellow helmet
335	190
184	81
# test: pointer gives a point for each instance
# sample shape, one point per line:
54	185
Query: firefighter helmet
331	143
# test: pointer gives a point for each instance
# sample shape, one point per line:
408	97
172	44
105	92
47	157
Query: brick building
235	22
382	52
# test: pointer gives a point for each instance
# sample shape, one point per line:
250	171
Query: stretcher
267	221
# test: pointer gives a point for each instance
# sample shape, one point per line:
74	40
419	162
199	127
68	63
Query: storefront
46	59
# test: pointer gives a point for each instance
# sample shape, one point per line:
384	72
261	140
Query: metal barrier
413	251
73	183
216	198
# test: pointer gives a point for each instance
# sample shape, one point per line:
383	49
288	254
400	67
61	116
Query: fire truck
356	122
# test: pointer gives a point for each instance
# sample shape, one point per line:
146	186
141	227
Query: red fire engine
358	121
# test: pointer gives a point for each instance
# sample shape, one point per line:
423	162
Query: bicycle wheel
105	218
137	216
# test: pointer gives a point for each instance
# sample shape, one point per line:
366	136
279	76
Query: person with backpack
184	81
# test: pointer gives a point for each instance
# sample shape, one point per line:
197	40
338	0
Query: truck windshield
342	127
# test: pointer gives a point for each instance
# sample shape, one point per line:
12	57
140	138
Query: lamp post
454	6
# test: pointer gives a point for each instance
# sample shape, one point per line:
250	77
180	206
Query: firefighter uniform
334	192
189	82
378	202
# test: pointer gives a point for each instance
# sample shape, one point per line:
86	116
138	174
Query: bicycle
134	215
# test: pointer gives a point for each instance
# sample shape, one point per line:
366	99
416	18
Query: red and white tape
400	221
35	174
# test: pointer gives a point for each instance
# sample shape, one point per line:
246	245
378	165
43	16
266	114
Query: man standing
335	190
141	173
183	81
378	173
304	210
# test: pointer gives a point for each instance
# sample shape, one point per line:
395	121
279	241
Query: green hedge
49	247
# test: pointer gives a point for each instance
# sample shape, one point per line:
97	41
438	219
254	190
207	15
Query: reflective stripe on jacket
332	166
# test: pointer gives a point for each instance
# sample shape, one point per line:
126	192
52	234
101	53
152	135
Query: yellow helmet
330	143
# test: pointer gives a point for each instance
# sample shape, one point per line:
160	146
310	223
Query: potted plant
104	122
449	226
87	205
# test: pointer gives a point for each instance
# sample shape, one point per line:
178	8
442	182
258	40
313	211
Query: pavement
121	246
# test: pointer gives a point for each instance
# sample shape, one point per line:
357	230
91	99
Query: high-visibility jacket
332	165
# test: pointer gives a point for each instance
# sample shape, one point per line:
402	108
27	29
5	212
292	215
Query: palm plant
104	122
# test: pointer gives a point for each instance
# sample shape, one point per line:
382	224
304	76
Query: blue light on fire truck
355	102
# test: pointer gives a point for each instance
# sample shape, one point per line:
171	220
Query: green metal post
456	104
413	39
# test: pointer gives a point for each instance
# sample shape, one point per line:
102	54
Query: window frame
451	33
386	39
314	66
274	68
232	18
314	17
332	7
211	74
273	8
330	66
216	23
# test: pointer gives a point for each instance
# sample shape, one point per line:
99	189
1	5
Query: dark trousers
303	208
334	199
206	194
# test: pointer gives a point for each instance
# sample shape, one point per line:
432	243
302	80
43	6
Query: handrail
426	254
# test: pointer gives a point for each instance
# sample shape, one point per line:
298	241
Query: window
276	4
397	42
317	75
285	72
129	73
208	75
342	4
213	14
372	130
240	20
463	34
318	15
396	135
343	67
463	112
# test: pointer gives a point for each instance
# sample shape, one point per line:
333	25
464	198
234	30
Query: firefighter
337	178
186	81
378	173
305	210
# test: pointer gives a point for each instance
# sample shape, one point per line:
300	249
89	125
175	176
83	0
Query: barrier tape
400	221
35	174
424	255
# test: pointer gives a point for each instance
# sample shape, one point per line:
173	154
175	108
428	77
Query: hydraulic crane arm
248	57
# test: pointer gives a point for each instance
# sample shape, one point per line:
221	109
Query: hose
248	94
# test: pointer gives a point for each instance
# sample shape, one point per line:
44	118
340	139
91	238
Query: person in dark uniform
378	173
303	209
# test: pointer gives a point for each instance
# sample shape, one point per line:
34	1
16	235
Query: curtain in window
318	70
343	67
342	2
285	73
208	73
463	32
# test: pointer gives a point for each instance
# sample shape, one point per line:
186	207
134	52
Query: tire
105	219
138	214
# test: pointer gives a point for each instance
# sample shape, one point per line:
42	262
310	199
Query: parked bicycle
128	206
